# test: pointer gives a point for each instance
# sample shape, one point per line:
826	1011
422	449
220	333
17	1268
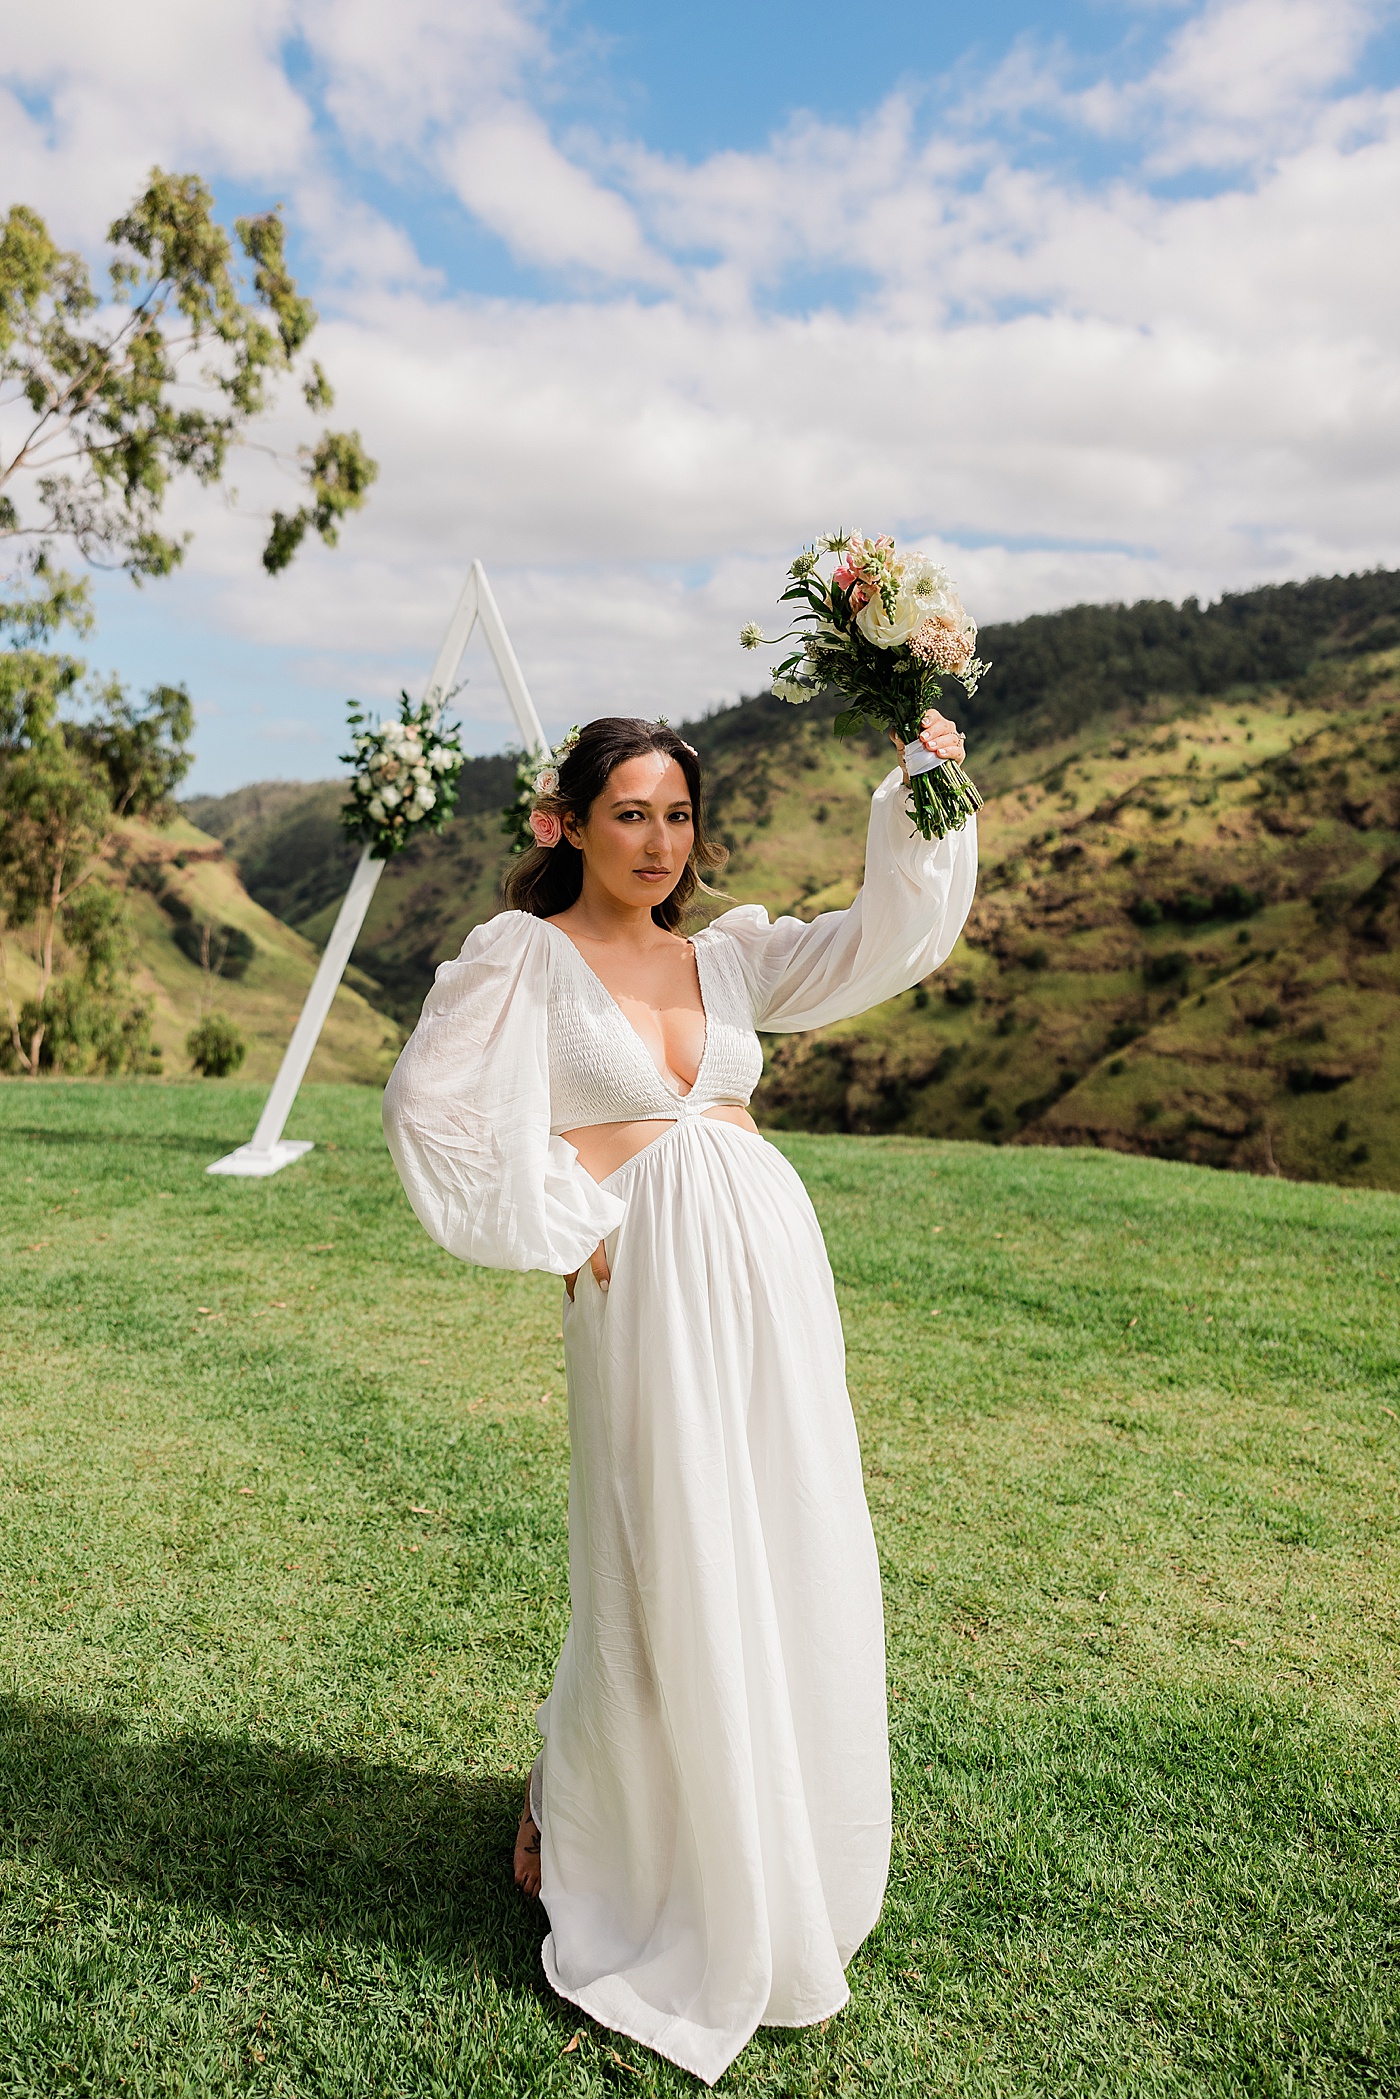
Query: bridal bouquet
405	778
885	628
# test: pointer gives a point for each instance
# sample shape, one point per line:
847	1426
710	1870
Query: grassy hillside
1185	935
294	858
177	878
283	1577
1183	944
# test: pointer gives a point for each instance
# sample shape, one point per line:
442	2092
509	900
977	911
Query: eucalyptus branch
112	393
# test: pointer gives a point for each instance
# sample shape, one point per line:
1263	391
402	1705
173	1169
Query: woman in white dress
708	1822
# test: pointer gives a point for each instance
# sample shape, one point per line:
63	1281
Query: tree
63	785
215	1047
109	402
55	814
142	748
114	401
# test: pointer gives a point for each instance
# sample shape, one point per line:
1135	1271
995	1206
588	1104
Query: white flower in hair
547	780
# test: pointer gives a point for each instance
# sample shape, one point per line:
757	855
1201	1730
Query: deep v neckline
634	1032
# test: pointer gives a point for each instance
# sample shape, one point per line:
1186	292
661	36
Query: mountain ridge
1182	940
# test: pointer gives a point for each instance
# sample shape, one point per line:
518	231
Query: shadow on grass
138	1140
291	1841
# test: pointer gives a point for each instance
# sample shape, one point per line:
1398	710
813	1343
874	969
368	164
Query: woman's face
639	832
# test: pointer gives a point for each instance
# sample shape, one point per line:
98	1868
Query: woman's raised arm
904	923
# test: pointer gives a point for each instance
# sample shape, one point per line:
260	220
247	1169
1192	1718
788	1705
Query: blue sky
630	301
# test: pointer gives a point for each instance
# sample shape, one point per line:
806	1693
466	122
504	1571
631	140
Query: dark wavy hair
545	880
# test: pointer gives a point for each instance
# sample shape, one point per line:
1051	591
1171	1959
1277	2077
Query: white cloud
1242	73
394	83
153	80
1088	389
507	171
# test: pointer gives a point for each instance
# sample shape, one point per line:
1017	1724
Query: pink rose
546	826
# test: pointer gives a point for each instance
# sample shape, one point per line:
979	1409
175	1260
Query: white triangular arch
269	1151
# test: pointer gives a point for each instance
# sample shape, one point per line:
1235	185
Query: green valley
1184	942
178	885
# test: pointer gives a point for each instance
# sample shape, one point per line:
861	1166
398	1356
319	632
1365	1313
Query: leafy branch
113	402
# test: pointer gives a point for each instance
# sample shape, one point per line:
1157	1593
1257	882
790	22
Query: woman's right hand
937	734
602	1274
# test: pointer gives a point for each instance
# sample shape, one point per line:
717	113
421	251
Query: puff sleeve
904	923
466	1113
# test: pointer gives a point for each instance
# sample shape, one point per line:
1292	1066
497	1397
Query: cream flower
890	633
547	780
924	589
944	643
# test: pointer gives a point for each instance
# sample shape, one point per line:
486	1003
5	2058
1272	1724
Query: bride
708	1822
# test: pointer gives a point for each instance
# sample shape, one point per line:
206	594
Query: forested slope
1185	935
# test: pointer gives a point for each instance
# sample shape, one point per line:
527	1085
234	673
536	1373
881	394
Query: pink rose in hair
546	826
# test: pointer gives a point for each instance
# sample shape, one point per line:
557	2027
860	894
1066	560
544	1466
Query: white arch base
268	1151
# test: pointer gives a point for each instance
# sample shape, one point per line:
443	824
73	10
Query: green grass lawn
282	1578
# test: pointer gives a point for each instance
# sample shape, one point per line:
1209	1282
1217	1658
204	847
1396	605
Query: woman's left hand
598	1262
937	734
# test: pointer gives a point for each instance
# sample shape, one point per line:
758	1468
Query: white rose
924	588
547	780
442	761
376	809
390	797
888	633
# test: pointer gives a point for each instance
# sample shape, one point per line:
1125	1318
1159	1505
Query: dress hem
657	2047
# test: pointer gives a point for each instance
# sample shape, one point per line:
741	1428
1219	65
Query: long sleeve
903	924
466	1113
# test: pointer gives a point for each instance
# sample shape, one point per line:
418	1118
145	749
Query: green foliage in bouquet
405	778
886	629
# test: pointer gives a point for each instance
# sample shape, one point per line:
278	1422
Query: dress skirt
714	1789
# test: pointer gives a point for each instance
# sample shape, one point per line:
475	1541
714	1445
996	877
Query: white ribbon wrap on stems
918	758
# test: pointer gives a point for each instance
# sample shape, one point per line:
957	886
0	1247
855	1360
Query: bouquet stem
943	801
940	801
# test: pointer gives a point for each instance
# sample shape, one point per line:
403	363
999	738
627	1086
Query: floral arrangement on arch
404	780
526	820
885	628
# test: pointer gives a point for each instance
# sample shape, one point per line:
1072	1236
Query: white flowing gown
713	1794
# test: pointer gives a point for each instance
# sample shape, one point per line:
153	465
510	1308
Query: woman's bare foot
527	1851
